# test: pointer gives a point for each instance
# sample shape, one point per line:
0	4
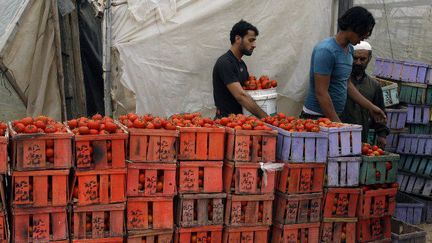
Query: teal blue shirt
329	58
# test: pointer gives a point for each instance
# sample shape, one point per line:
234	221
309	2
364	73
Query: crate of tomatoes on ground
100	143
378	166
4	139
299	140
40	143
248	139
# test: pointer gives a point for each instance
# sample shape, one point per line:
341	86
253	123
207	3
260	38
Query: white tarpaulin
164	51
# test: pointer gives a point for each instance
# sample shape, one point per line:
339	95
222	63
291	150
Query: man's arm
322	83
245	100
381	130
378	114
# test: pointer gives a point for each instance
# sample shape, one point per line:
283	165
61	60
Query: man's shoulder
326	44
224	59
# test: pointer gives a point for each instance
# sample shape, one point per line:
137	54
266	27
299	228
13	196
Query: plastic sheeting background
165	66
403	29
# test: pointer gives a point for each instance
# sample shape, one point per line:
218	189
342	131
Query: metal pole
107	58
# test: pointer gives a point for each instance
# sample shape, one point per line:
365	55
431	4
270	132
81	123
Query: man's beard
358	70
246	52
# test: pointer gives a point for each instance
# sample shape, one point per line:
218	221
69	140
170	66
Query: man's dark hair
358	20
241	29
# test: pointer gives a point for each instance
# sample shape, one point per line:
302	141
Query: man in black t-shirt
230	73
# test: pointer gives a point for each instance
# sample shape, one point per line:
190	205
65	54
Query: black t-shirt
228	69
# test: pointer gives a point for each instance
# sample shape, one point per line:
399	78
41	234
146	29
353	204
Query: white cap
363	45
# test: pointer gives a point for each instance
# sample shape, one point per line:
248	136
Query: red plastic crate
201	143
304	233
155	236
251	234
100	240
29	151
341	202
152	145
377	203
40	224
145	213
247	178
338	232
97	222
297	209
301	178
209	234
4	227
101	151
200	209
40	188
374	229
249	210
99	187
4	153
200	177
251	145
151	179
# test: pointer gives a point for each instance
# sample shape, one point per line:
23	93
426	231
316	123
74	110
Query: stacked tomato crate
41	158
4	169
98	192
299	187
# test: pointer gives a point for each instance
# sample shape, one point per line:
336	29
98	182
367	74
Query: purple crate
418	114
378	70
343	171
396	118
387	67
414	72
427	210
415	184
429	76
418	144
344	141
408	209
309	147
393	139
397	70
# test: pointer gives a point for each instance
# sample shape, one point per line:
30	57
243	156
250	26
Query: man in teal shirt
331	66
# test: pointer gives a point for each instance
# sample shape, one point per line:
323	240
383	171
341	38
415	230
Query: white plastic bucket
265	98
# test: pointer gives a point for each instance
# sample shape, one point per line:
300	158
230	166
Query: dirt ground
428	229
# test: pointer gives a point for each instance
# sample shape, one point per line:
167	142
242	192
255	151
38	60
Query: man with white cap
371	90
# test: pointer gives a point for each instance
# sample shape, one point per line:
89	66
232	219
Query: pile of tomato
242	122
293	124
370	150
146	121
97	124
262	83
40	124
3	127
192	120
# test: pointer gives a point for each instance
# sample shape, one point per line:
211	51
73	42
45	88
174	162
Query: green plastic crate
372	164
429	95
412	93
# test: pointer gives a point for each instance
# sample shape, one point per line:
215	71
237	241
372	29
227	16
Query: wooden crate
97	222
291	233
152	145
297	209
245	234
426	216
418	114
99	240
402	232
4	227
39	224
386	68
412	93
379	169
343	171
341	202
301	178
247	178
377	203
155	236
29	151
249	210
415	144
396	118
200	177
151	179
415	184
99	187
419	165
301	146
144	213
333	230
393	139
200	209
209	234
408	209
201	143
344	141
4	164
101	151
414	72
40	188
374	229
251	145
429	95
390	92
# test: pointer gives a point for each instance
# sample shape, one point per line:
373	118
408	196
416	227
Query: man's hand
381	142
378	115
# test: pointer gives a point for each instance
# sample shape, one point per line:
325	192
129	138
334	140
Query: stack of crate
39	196
249	181
4	170
299	186
200	204
151	184
99	188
